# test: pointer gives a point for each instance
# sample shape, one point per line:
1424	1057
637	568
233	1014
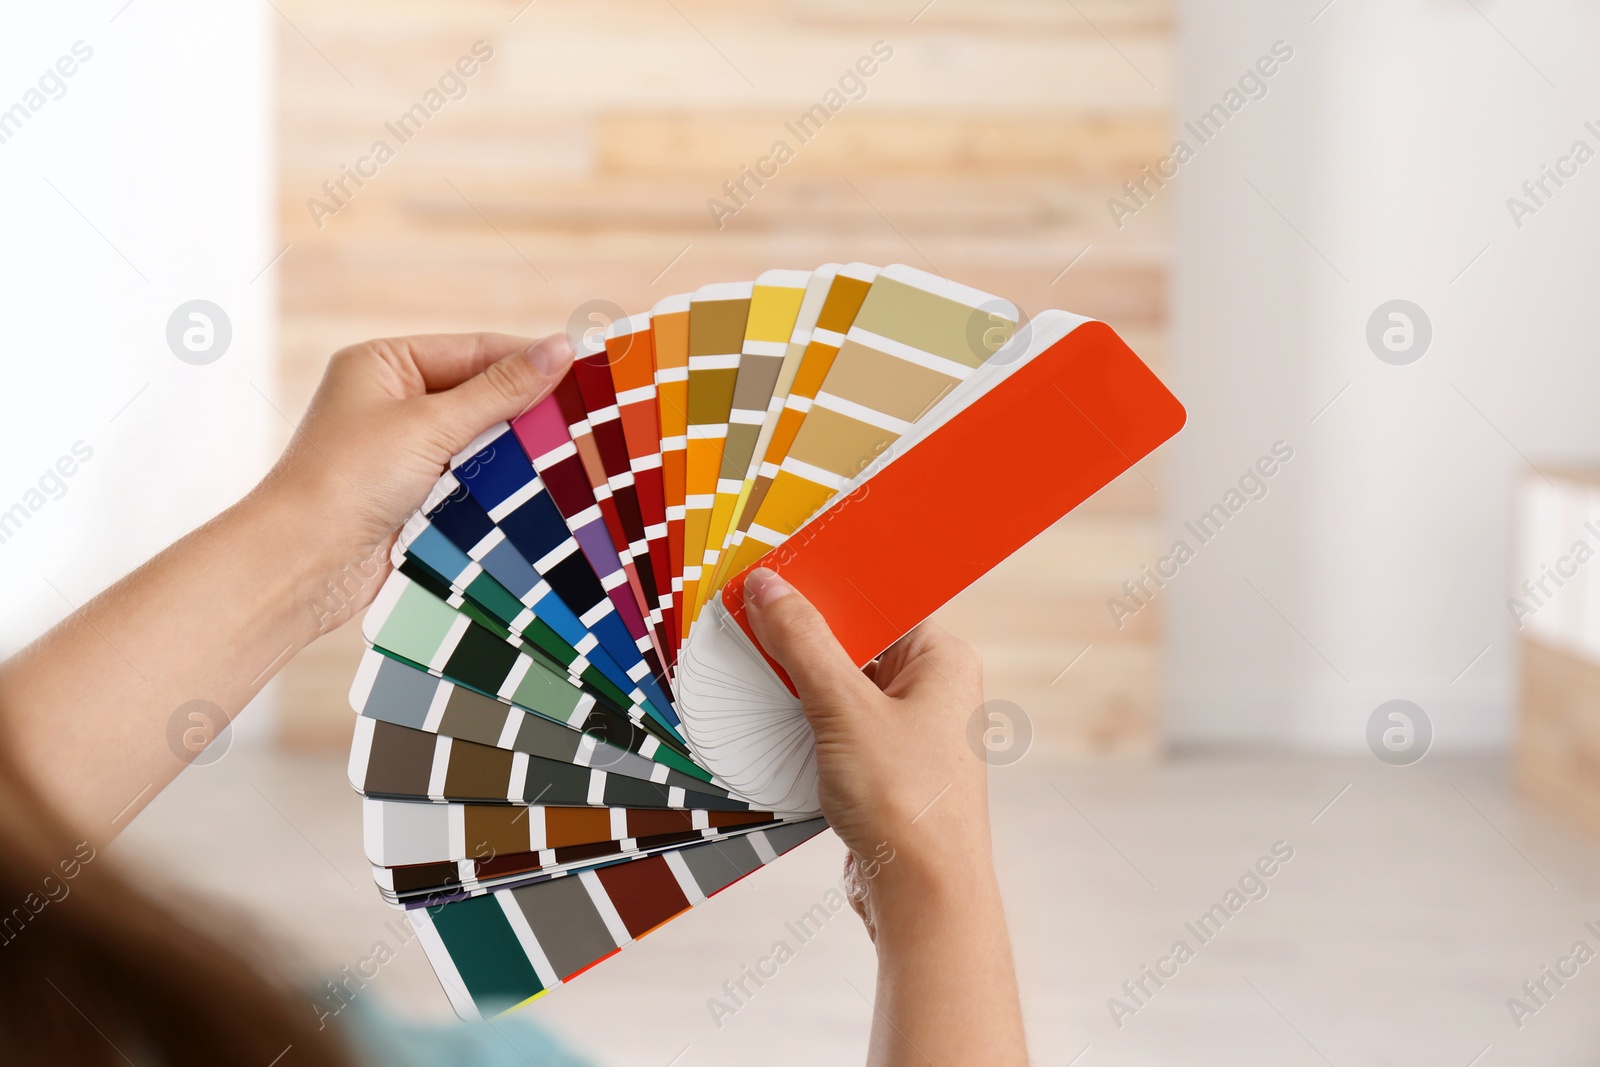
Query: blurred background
1356	239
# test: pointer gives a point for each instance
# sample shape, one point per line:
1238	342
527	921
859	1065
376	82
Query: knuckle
386	357
794	618
351	355
509	378
440	431
937	639
961	651
956	653
797	612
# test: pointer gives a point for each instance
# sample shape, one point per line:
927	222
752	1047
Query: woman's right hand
899	782
905	790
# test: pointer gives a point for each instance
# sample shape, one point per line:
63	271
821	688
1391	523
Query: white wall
162	141
1382	555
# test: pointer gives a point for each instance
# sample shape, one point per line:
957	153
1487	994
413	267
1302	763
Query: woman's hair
95	969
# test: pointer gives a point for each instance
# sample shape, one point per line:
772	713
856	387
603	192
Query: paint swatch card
1069	408
629	361
718	315
565	732
669	332
497	952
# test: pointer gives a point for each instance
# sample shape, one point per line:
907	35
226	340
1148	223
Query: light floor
1412	909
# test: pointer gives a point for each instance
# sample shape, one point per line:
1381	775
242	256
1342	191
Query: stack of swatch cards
567	734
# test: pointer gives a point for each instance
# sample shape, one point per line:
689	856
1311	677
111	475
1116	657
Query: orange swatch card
939	516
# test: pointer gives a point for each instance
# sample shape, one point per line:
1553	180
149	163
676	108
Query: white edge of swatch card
629	325
444	966
672	305
372	830
383	605
404	832
446	487
725	291
479	443
816	293
528	940
818	286
366	675
360	751
418	524
783	278
717	646
414	528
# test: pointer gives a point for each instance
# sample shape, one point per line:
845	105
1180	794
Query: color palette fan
567	734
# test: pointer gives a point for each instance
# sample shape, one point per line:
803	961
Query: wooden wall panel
578	165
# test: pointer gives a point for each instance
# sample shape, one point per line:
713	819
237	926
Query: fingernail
552	356
763	586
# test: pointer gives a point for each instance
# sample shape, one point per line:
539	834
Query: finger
503	390
441	361
796	635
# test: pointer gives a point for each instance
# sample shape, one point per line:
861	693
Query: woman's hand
102	708
907	794
893	761
385	422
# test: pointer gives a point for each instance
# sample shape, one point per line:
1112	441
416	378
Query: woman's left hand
101	709
387	419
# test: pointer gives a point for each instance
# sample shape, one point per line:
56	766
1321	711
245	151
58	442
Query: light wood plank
880	141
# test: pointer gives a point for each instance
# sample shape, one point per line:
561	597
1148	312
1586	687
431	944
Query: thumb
796	635
502	390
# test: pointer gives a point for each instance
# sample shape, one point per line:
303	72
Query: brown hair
95	969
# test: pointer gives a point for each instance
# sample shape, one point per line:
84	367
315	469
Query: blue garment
382	1039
